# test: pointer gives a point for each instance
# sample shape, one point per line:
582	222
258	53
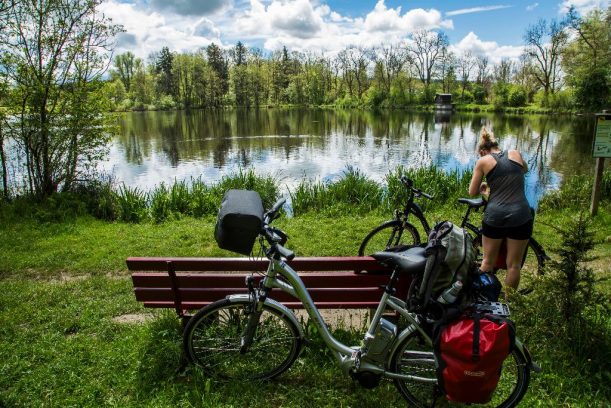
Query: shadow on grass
162	359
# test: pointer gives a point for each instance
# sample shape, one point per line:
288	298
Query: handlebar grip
278	205
408	182
285	253
430	197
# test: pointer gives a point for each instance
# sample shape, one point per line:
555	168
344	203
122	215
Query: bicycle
253	337
400	232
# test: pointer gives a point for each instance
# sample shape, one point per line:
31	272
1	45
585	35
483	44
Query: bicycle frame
346	356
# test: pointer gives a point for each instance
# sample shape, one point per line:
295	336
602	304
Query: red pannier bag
470	352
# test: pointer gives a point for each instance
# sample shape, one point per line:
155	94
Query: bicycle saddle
411	261
472	202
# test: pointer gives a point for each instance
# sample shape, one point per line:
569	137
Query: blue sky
493	29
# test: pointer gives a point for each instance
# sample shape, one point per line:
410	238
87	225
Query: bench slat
290	305
351	263
212	280
212	294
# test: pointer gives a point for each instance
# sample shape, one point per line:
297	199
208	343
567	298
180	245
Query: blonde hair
487	140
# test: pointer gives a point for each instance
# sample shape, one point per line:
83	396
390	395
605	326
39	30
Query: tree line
565	65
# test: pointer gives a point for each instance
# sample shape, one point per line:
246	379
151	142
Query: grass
64	283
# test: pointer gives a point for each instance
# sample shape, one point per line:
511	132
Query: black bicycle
400	232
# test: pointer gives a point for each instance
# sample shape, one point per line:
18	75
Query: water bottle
449	295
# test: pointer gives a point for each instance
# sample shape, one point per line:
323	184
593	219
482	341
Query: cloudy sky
487	28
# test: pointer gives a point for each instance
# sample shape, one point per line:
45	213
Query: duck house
443	102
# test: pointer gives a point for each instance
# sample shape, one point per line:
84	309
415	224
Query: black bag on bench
239	221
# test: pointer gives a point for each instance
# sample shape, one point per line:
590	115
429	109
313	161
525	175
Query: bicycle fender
406	332
527	356
277	306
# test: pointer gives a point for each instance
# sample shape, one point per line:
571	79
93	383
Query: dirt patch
340	318
133	318
64	277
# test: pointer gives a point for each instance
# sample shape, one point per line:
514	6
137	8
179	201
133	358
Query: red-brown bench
187	284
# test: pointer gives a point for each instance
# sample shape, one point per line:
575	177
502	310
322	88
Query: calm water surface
294	145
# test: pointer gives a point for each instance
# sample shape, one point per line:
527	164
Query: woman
507	214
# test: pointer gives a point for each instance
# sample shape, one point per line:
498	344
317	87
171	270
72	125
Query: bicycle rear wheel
414	357
212	340
534	260
390	234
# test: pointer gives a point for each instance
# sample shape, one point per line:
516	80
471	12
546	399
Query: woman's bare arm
476	180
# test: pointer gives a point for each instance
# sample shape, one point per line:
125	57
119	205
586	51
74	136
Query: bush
479	94
592	89
100	198
517	96
501	95
467	97
427	96
576	192
166	102
565	306
374	97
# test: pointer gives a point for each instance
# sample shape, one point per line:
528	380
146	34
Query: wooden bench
187	284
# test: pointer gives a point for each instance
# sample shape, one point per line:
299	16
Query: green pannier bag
450	257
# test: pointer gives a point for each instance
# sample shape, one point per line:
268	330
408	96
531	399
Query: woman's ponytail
487	140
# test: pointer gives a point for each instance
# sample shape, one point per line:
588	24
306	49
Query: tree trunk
3	160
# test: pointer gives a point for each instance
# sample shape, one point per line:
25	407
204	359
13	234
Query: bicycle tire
406	359
389	234
534	258
212	341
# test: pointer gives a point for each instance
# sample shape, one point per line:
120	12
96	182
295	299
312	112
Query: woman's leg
515	254
491	247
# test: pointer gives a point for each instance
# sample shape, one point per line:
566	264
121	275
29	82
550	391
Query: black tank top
507	204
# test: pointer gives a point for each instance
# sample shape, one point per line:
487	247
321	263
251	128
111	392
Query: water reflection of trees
219	138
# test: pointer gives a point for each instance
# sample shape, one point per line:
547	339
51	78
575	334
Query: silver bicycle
251	336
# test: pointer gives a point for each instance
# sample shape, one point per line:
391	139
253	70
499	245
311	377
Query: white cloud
297	18
390	19
475	10
491	49
310	25
531	7
147	31
583	6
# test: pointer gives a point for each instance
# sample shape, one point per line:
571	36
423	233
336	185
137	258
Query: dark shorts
520	232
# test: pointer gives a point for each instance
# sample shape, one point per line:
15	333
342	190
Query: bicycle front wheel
414	357
212	340
390	234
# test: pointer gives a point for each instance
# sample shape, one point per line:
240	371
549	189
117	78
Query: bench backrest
191	283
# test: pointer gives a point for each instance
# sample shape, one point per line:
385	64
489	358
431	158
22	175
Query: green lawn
66	291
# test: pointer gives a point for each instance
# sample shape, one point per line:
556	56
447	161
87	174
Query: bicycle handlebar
409	184
274	236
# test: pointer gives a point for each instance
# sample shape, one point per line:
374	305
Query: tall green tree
163	69
125	65
218	63
587	59
54	54
544	44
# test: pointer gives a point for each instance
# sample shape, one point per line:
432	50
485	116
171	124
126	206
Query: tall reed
133	204
445	187
161	204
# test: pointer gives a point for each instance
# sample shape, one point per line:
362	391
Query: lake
318	144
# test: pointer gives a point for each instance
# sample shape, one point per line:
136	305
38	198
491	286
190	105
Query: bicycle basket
239	221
